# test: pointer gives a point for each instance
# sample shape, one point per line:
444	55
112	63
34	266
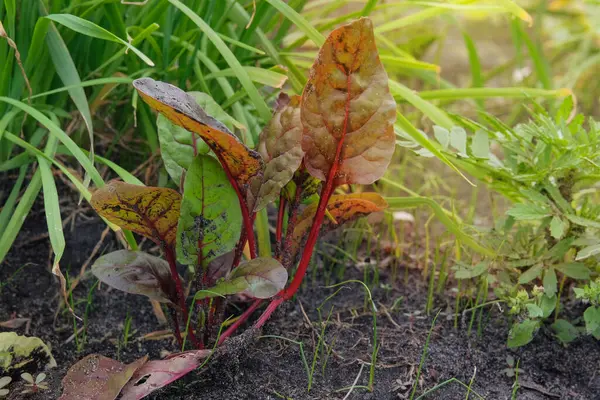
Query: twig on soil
355	381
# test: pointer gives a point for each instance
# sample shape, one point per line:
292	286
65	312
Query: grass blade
261	107
431	111
88	28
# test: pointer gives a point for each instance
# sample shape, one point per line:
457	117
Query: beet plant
339	131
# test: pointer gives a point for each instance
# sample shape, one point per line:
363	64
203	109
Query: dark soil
272	368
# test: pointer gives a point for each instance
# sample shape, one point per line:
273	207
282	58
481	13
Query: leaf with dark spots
156	374
179	146
260	278
347	109
149	211
211	219
281	148
181	109
343	208
96	377
138	273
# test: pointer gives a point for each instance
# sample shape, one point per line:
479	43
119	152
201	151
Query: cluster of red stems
338	132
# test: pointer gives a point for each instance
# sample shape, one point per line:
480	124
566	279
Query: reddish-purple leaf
158	373
96	377
347	109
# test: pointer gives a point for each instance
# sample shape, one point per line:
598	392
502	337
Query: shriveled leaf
158	373
96	377
211	219
20	354
260	278
280	145
149	211
181	109
347	109
342	208
138	273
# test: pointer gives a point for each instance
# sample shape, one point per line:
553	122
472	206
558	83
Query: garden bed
272	368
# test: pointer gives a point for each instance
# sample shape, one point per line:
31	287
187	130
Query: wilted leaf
260	278
342	208
138	273
96	377
347	109
211	220
158	373
181	109
20	354
280	145
149	211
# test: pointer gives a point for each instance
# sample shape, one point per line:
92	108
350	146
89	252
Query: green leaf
592	321
557	227
480	146
531	274
177	143
210	218
547	304
260	278
522	333
442	135
534	311
550	282
88	28
574	270
458	140
564	331
137	273
588	223
588	251
522	212
467	272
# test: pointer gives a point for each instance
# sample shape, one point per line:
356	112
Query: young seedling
34	385
338	132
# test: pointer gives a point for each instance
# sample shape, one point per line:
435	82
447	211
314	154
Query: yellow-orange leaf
343	208
347	109
149	211
181	109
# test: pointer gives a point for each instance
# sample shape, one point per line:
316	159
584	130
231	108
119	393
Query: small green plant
4	381
548	167
34	385
590	293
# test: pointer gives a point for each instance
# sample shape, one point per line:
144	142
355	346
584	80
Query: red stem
240	321
326	192
180	295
